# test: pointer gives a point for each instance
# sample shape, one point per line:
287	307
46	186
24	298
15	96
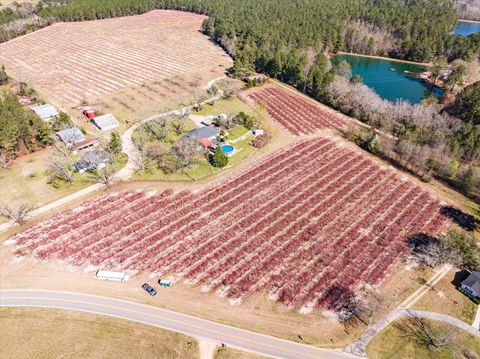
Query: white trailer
115	276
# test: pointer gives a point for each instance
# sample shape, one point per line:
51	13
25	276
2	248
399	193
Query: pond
465	28
391	80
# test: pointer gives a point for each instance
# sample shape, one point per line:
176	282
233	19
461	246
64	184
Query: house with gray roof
106	122
71	136
45	112
91	160
203	132
472	284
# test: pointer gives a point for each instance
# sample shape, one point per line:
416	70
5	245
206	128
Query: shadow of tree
464	220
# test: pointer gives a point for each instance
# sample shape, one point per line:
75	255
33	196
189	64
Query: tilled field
72	62
307	225
295	114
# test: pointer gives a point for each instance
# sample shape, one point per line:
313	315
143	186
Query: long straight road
187	324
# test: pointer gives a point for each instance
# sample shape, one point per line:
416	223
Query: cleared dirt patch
54	333
307	225
71	62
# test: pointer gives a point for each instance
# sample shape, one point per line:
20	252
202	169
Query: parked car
149	289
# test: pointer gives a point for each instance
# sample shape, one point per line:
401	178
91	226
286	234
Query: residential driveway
186	324
359	347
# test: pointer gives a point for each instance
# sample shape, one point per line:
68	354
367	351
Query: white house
472	284
106	122
45	112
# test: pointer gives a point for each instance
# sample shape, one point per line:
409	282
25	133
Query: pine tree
115	144
469	180
219	159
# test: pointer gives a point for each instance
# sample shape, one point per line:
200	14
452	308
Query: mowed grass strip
53	333
393	344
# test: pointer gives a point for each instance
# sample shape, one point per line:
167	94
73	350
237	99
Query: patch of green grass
232	105
390	343
237	132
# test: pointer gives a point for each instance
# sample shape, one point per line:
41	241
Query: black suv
149	289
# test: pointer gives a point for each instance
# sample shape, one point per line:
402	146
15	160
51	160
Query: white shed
115	276
45	112
106	122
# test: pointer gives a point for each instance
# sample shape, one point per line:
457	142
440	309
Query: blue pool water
227	148
466	28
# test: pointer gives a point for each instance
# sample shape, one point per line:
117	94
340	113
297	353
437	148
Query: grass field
445	298
392	345
53	333
27	180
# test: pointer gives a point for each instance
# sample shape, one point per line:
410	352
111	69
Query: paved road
192	326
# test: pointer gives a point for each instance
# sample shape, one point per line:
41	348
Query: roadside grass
445	298
53	333
390	343
230	353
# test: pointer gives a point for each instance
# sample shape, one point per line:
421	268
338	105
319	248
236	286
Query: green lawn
232	105
391	344
236	132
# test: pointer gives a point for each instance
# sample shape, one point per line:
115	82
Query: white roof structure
106	122
71	136
115	276
45	112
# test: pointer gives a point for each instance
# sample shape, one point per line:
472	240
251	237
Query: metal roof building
203	132
91	161
45	112
106	122
71	136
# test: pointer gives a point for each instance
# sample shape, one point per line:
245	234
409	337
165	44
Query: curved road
189	325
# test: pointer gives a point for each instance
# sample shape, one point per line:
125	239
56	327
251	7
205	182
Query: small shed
106	122
45	112
203	132
71	136
91	161
258	132
471	284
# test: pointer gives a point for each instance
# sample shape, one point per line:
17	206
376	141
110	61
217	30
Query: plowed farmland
295	114
307	226
71	62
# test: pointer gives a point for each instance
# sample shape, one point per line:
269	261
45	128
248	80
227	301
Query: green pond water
391	80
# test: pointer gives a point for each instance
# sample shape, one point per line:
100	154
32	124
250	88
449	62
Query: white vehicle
115	276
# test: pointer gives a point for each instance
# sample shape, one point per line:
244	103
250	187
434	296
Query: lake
465	28
391	80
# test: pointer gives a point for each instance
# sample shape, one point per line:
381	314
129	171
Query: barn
106	122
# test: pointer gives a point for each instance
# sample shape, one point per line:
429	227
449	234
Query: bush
219	159
260	141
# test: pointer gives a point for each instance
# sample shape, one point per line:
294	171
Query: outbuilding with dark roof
472	284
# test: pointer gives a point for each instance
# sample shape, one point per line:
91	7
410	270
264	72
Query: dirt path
207	349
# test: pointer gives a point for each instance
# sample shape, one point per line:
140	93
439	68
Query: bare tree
424	333
61	164
187	152
428	251
5	159
18	213
229	88
158	128
179	125
103	175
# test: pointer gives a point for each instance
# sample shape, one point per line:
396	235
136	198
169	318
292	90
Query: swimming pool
227	149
